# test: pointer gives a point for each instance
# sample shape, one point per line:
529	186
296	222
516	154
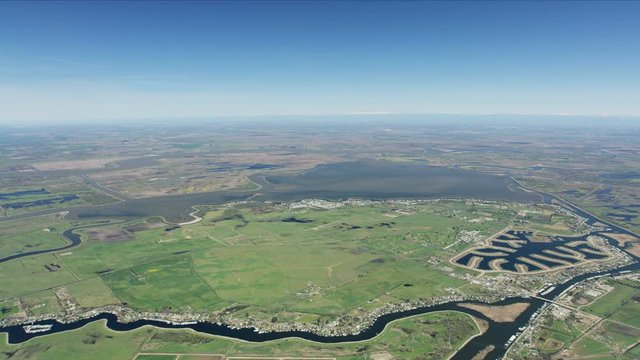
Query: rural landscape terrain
381	237
319	180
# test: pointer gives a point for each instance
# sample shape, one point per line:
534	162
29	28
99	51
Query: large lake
385	180
367	179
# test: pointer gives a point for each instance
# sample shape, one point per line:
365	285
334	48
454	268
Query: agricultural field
323	262
277	263
310	262
404	339
604	325
33	273
53	194
269	263
319	180
622	304
20	236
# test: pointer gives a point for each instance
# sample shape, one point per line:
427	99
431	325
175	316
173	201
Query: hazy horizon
75	61
388	119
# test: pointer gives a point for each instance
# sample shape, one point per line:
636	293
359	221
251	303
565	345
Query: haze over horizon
72	61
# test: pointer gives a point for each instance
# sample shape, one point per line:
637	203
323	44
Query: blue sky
84	61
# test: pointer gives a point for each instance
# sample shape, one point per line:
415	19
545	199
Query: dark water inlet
41	202
16	194
550	254
69	235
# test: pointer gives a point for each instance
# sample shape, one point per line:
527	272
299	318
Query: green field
167	285
617	336
300	263
32	273
589	346
325	262
432	336
22	236
621	304
266	263
610	334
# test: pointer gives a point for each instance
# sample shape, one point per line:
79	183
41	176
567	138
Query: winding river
68	235
497	335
